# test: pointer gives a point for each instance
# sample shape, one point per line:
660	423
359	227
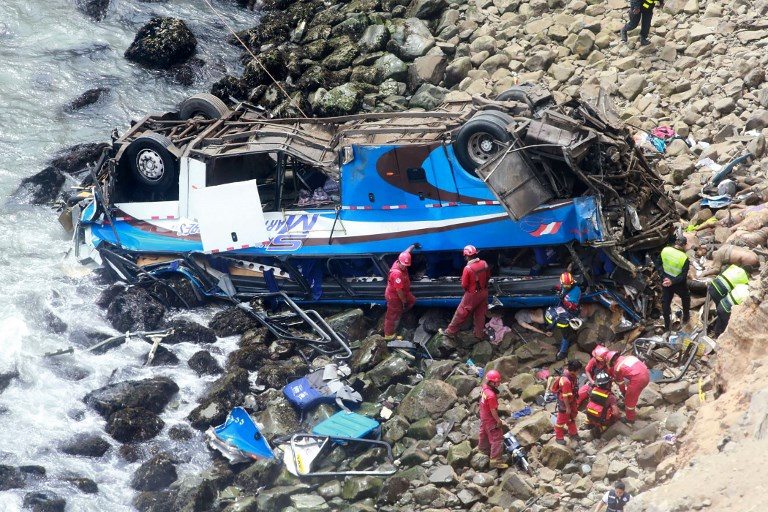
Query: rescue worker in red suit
398	293
491	439
631	374
601	356
567	402
474	281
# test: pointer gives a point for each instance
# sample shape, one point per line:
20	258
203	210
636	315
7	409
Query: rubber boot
498	464
644	42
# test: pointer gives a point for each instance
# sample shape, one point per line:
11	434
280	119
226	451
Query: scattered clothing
525	411
497	328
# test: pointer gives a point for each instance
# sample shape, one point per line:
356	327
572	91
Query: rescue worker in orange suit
474	303
491	439
631	374
567	402
601	356
398	293
640	13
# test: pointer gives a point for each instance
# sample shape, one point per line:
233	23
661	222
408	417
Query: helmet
602	379
599	353
470	250
566	279
575	323
609	356
405	259
493	376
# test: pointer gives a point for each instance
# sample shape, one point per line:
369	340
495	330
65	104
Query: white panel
196	182
230	216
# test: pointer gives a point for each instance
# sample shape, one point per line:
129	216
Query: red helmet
470	250
566	279
609	356
599	353
405	259
493	376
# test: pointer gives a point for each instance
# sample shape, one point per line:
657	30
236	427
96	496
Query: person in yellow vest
640	13
739	294
722	285
674	280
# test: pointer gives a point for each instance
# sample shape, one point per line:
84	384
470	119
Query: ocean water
49	54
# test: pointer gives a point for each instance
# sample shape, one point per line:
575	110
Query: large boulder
279	418
155	474
426	69
135	310
372	351
151	394
11	478
505	365
428	398
232	321
88	445
428	97
650	456
389	371
188	331
224	394
161	43
41	188
390	66
349	324
203	363
374	38
411	38
96	9
555	456
276	374
598	328
342	100
425	9
87	98
530	429
134	424
357	488
44	501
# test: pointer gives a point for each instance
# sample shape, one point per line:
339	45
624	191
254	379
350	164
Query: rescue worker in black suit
640	13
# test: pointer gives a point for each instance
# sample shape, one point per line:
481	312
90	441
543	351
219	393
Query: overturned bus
320	208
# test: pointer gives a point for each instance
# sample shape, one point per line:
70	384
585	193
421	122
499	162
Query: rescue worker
474	281
640	13
567	402
615	499
739	294
398	293
599	362
602	408
631	374
569	295
674	274
491	439
722	285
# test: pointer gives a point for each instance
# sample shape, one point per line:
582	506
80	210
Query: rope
242	43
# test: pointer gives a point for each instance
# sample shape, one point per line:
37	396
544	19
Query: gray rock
203	363
464	384
374	39
224	394
423	429
358	488
135	310
278	498
11	478
343	56
96	9
84	485
279	418
757	121
372	351
530	429
457	71
350	323
459	454
89	445
632	86
520	382
425	9
394	429
391	370
187	331
428	398
428	97
647	433
411	38
157	473
426	69
341	101
583	43
676	392
514	483
134	424
308	503
45	501
725	105
161	43
231	322
393	489
650	456
443	475
555	456
389	66
151	394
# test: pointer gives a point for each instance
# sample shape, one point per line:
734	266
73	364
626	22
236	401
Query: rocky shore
704	76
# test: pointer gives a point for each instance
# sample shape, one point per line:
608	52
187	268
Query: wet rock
203	363
374	38
88	445
392	490
89	97
428	398
459	454
309	503
279	418
195	492
157	473
180	433
158	501
343	100
425	9
96	9
76	158
276	374
43	187
231	322
10	478
151	394
277	498
187	331
358	488
391	370
422	429
163	357
349	324
33	471
134	424
135	310
224	394
6	379
388	67
394	429
85	485
443	475
372	351
556	456
45	501
161	43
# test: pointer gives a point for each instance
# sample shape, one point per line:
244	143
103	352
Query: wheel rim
150	164
482	146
